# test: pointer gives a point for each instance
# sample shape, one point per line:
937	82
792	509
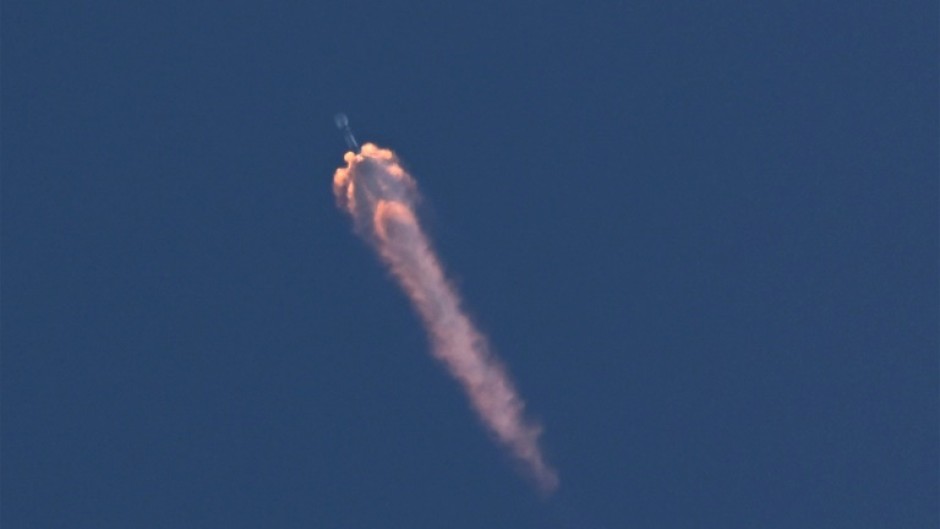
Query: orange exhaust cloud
380	196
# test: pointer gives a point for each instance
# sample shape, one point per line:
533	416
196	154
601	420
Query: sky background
703	236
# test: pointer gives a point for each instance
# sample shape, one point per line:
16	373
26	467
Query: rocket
342	123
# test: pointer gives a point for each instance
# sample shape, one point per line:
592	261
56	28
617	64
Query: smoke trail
380	196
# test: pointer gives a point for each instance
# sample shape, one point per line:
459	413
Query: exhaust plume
380	196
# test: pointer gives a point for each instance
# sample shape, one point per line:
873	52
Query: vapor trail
380	196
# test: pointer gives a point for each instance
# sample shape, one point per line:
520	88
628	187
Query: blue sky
702	237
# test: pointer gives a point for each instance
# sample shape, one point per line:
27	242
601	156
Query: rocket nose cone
341	121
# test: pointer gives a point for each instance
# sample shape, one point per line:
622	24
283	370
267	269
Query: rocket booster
342	123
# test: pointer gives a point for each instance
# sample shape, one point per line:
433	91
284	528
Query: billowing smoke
380	196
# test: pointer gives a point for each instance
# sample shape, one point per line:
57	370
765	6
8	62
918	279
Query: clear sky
703	237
